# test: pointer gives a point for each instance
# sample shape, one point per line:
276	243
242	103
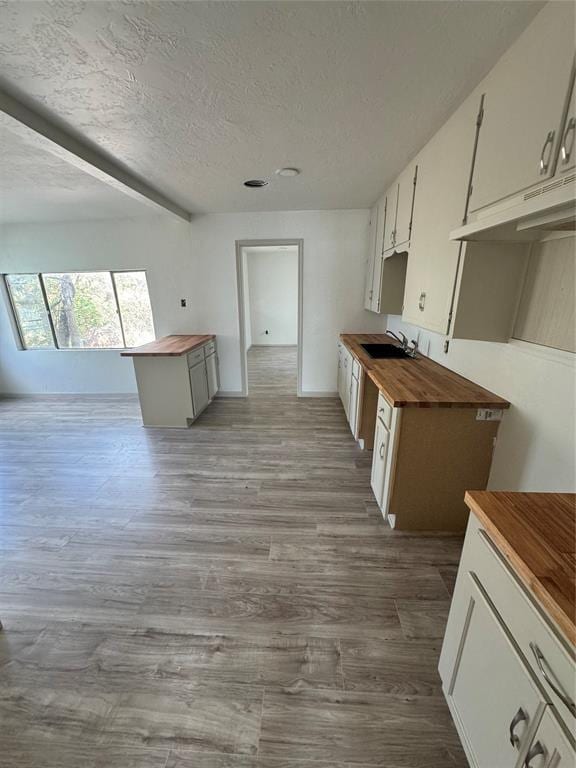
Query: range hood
548	208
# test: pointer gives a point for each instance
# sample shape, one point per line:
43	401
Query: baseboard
69	395
316	393
231	393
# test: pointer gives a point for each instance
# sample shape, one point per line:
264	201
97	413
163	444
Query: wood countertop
419	382
536	534
169	346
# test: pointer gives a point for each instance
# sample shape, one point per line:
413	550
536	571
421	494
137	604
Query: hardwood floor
226	596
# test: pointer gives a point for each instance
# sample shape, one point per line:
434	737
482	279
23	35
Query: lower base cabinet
174	390
501	705
424	460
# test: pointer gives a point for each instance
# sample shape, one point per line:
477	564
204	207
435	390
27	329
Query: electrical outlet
182	302
489	414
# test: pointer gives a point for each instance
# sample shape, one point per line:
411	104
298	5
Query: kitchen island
432	431
177	378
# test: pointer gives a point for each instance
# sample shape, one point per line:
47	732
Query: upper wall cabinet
400	198
389	235
443	170
523	127
405	206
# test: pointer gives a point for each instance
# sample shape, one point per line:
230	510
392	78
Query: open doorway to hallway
269	293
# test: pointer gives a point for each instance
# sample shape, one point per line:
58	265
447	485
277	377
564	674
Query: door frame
240	245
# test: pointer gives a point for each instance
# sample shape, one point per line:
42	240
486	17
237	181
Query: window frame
56	347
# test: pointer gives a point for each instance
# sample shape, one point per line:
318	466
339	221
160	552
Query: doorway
269	274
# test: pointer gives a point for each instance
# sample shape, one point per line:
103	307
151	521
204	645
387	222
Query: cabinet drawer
195	357
356	368
544	652
384	410
210	348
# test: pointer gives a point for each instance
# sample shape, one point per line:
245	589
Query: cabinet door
381	439
212	374
567	157
199	384
525	97
369	277
389	235
406	189
345	378
496	701
550	747
443	169
353	409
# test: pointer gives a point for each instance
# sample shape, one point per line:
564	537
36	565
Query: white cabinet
504	708
385	273
491	692
370	258
525	98
550	747
381	440
175	388
344	377
407	184
199	386
373	282
212	374
389	233
400	207
354	403
443	169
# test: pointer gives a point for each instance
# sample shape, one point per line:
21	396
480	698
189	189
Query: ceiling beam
32	127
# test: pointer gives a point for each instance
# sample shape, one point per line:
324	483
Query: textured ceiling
197	96
37	186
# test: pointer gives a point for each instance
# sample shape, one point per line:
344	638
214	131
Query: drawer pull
541	661
534	751
519	717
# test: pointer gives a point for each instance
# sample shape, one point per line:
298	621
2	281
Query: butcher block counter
177	377
432	433
536	533
418	382
170	346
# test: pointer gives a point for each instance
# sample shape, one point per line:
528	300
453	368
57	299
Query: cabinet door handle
519	717
541	661
381	451
534	751
545	158
566	150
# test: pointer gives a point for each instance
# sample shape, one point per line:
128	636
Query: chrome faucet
403	340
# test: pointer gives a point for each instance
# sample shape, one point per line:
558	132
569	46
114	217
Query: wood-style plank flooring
226	596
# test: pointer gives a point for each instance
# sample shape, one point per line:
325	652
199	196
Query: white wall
194	261
535	449
273	301
159	245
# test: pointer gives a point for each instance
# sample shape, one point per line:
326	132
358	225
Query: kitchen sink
381	351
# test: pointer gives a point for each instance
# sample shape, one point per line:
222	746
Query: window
81	310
